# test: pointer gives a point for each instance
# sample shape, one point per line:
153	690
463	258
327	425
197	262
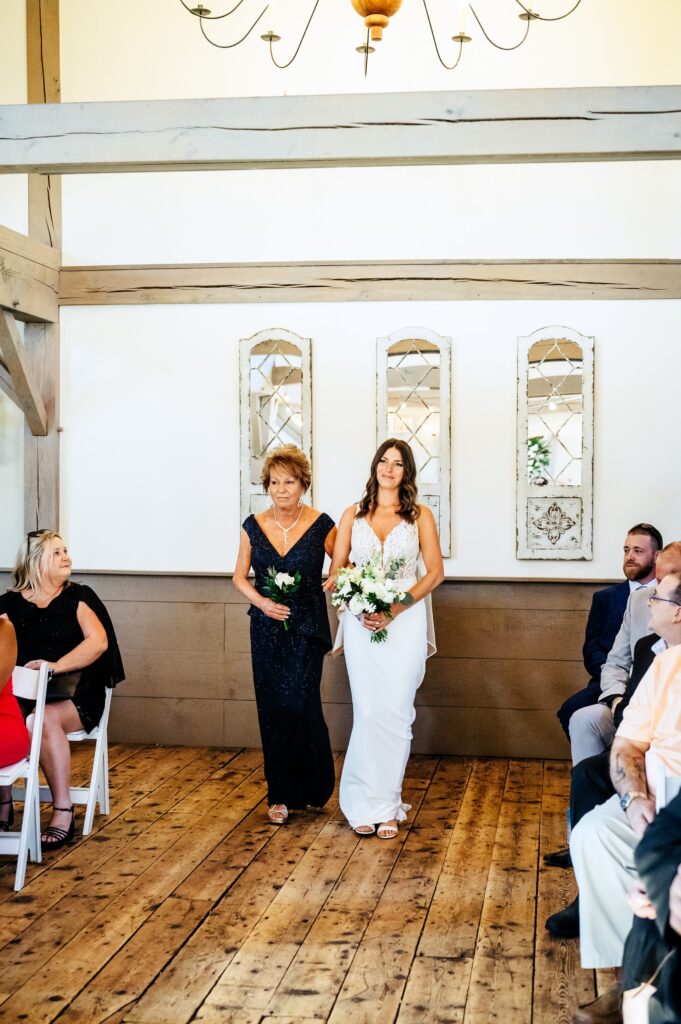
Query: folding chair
27	842
98	790
666	786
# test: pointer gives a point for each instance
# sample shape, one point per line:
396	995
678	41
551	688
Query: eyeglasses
662	600
36	533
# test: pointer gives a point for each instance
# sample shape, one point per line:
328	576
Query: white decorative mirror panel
555	445
276	405
413	386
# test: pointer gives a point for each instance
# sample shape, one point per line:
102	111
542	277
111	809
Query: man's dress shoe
565	924
558	859
607	1009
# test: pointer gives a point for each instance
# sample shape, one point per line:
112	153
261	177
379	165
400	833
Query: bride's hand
330	586
375	621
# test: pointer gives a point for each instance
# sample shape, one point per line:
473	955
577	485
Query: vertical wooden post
41	341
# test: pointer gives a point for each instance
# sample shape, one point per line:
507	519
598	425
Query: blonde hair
290	458
28	572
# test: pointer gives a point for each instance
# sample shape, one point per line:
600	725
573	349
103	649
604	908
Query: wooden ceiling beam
7	386
496	126
26	394
371	281
29	277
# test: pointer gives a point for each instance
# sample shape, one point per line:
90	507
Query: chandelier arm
366	55
449	67
539	17
497	45
213	17
297	50
230	46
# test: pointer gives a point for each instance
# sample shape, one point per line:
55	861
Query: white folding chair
666	786
98	790
27	842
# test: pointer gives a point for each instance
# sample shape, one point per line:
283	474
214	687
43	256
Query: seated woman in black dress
66	625
287	662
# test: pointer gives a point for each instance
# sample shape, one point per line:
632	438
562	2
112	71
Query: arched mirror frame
437	497
246	346
554	520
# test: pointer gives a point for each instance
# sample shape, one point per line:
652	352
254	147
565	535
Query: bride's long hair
408	493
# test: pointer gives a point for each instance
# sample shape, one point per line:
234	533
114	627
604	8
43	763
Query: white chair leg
29	837
36	818
91	803
105	778
96	795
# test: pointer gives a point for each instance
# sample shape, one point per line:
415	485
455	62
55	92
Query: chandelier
376	15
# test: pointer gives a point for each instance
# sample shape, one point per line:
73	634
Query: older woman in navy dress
287	662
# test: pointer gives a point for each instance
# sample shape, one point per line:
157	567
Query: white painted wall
149	403
133	50
549	211
13	187
150	417
11	479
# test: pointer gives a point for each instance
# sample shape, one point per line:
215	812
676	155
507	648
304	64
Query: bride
384	677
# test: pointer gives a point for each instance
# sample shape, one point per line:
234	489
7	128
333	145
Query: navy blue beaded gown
287	671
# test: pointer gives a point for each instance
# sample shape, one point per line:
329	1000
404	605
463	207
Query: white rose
282	579
381	593
357	605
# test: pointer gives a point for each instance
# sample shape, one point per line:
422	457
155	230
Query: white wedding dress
384	678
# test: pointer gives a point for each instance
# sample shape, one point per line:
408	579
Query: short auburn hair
290	459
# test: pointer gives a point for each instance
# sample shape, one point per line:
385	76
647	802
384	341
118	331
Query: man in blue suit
642	543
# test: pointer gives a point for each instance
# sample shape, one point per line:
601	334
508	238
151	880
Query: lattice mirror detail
276	406
413	403
555	445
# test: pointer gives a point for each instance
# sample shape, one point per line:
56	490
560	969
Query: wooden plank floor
185	904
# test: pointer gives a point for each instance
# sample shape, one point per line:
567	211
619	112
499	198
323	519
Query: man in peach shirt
602	844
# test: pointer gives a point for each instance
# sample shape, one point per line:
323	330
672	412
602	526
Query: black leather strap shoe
565	924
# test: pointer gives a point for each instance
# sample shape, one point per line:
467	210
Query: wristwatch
627	798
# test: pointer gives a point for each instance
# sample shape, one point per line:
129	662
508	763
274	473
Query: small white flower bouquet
279	586
370	588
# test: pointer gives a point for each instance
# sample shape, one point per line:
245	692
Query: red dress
14	737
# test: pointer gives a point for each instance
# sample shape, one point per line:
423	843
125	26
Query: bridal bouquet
280	586
371	587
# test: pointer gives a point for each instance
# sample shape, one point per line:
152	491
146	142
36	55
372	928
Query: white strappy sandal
278	814
386	830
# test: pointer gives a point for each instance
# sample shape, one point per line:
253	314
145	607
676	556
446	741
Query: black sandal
5	826
53	837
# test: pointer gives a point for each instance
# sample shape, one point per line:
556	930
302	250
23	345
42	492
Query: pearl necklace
286	529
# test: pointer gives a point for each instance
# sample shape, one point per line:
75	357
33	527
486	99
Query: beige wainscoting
508	654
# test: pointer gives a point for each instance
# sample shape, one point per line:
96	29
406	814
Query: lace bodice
401	542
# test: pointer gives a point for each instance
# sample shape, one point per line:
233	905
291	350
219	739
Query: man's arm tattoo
628	770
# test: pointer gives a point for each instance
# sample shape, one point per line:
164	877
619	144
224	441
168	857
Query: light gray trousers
602	848
592	731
